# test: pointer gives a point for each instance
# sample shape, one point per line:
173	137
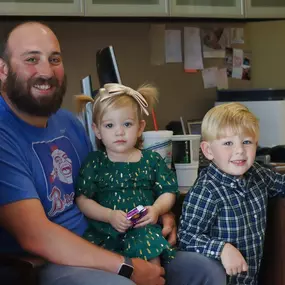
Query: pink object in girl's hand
137	213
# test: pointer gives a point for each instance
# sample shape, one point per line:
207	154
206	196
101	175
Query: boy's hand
233	260
118	220
150	218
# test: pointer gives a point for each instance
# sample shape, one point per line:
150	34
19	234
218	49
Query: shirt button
212	252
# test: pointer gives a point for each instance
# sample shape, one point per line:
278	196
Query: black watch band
126	269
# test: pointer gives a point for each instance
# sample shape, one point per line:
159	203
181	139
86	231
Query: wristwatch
126	269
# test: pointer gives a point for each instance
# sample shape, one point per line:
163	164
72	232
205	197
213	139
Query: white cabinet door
207	8
128	8
42	7
265	9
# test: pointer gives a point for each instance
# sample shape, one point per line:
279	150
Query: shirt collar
228	180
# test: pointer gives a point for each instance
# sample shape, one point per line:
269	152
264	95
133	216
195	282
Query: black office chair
25	268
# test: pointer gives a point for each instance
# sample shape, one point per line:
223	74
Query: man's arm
27	222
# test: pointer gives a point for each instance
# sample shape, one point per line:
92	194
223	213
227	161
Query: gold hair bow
114	89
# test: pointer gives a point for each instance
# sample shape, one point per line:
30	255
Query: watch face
126	271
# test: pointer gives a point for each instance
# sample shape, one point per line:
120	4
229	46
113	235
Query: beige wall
267	39
180	93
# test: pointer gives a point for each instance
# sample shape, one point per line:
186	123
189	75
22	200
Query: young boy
224	214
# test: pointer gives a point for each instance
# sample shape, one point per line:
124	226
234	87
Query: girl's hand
232	260
150	218
118	220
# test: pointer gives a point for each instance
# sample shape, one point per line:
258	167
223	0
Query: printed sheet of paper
173	51
157	46
192	49
237	36
215	40
237	63
229	61
222	79
210	77
245	73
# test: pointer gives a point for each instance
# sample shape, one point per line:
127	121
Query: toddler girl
120	176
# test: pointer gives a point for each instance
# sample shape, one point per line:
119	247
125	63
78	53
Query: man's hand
147	273
169	229
232	260
118	220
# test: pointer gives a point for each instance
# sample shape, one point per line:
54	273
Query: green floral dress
123	186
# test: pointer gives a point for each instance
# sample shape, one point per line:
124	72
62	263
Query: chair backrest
15	269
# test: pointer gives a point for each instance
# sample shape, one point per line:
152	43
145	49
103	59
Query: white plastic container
185	149
186	174
159	141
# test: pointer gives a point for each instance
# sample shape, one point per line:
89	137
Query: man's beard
20	95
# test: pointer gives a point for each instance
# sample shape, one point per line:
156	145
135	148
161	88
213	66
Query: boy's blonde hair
230	116
101	107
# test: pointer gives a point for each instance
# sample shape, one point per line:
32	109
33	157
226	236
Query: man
41	150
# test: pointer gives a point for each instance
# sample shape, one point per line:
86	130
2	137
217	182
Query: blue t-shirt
41	163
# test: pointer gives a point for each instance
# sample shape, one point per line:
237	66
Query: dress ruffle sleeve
165	180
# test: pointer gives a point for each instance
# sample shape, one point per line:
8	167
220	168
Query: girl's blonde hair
230	116
101	107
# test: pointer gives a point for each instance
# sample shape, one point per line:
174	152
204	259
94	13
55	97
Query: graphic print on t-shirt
62	166
60	163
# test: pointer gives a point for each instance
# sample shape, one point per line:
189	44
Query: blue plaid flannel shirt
221	208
